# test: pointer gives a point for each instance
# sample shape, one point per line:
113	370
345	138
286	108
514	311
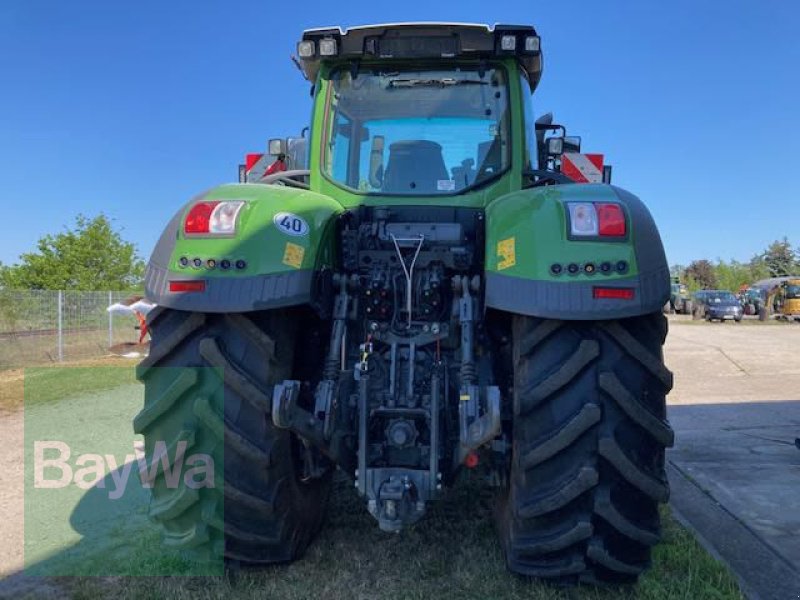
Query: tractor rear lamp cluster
213	218
596	219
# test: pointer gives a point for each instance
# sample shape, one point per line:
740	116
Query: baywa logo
51	457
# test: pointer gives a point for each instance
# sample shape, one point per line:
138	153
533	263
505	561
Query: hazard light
603	293
194	285
596	219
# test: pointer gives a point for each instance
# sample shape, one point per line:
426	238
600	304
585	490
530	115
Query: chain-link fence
43	326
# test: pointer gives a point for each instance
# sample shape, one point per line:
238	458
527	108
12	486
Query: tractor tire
262	511
589	434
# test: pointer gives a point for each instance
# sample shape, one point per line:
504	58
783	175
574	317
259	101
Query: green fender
527	234
284	238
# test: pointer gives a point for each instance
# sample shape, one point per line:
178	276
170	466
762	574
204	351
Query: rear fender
283	241
527	233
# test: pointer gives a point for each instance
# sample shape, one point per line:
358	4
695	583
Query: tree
90	256
758	268
702	272
780	259
731	276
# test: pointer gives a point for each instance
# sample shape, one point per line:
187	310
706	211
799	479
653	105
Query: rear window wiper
444	82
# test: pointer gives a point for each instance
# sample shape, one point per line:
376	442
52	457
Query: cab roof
424	40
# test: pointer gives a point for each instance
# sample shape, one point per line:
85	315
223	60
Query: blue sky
131	108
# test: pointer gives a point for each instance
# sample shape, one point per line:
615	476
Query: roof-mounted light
421	41
532	44
327	47
508	43
306	49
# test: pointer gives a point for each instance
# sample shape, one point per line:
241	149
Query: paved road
735	470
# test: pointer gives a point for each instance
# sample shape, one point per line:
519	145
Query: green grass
453	553
55	383
63	381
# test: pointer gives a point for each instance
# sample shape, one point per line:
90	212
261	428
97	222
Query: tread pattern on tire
589	435
260	512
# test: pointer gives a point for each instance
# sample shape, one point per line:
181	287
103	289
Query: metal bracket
408	270
286	414
477	427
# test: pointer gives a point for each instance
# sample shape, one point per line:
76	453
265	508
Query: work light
305	49
327	47
532	44
508	43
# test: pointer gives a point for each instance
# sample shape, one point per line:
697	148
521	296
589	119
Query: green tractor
432	294
680	301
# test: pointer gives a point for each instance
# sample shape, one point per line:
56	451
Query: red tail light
196	285
199	217
602	293
611	219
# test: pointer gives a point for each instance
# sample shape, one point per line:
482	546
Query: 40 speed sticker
290	224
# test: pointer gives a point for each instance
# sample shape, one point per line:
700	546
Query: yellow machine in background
780	297
789	299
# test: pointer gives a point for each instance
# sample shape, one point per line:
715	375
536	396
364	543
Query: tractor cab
434	111
421	110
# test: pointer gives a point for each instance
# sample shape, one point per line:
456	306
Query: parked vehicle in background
789	299
781	297
719	305
680	300
752	300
